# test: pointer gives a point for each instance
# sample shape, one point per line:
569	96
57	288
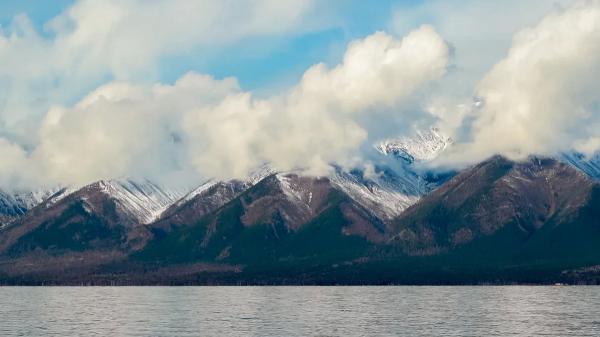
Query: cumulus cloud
318	121
542	98
123	130
126	36
203	127
14	165
118	130
93	42
478	34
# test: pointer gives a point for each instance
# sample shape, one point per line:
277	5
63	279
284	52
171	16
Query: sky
259	62
184	90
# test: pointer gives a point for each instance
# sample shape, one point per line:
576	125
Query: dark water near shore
300	311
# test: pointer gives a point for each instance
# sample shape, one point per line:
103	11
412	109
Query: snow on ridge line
17	203
288	188
145	200
387	199
252	179
424	146
199	190
33	198
59	195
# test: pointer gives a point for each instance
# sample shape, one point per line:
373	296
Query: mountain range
500	221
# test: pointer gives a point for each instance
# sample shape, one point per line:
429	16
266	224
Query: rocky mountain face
96	216
391	188
517	203
388	191
207	198
270	222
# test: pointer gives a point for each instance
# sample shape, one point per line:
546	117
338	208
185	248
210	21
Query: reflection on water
300	311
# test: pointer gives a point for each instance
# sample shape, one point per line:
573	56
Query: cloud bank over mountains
543	97
214	128
78	102
94	42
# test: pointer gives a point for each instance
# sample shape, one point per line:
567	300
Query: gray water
300	311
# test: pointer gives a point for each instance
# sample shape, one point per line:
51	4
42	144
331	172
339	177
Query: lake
300	311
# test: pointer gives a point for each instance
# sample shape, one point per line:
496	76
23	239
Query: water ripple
300	311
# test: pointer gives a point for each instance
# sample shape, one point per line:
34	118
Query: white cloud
14	165
318	121
379	70
93	42
212	127
542	98
479	31
118	130
126	36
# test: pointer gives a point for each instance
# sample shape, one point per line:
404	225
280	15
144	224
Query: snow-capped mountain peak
423	146
144	200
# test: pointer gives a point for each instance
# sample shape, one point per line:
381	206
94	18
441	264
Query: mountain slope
386	193
200	202
394	185
390	221
207	198
282	219
499	221
507	209
99	215
143	201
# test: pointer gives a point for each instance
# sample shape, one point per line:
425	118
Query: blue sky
39	11
260	63
281	61
267	64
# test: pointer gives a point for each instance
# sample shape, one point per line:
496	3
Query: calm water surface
300	311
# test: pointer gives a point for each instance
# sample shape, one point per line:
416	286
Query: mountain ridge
392	222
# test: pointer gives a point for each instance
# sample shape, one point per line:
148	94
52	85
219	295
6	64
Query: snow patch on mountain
395	187
31	199
15	204
423	146
586	164
197	191
10	207
259	174
289	189
295	190
392	188
252	179
386	195
59	195
144	200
